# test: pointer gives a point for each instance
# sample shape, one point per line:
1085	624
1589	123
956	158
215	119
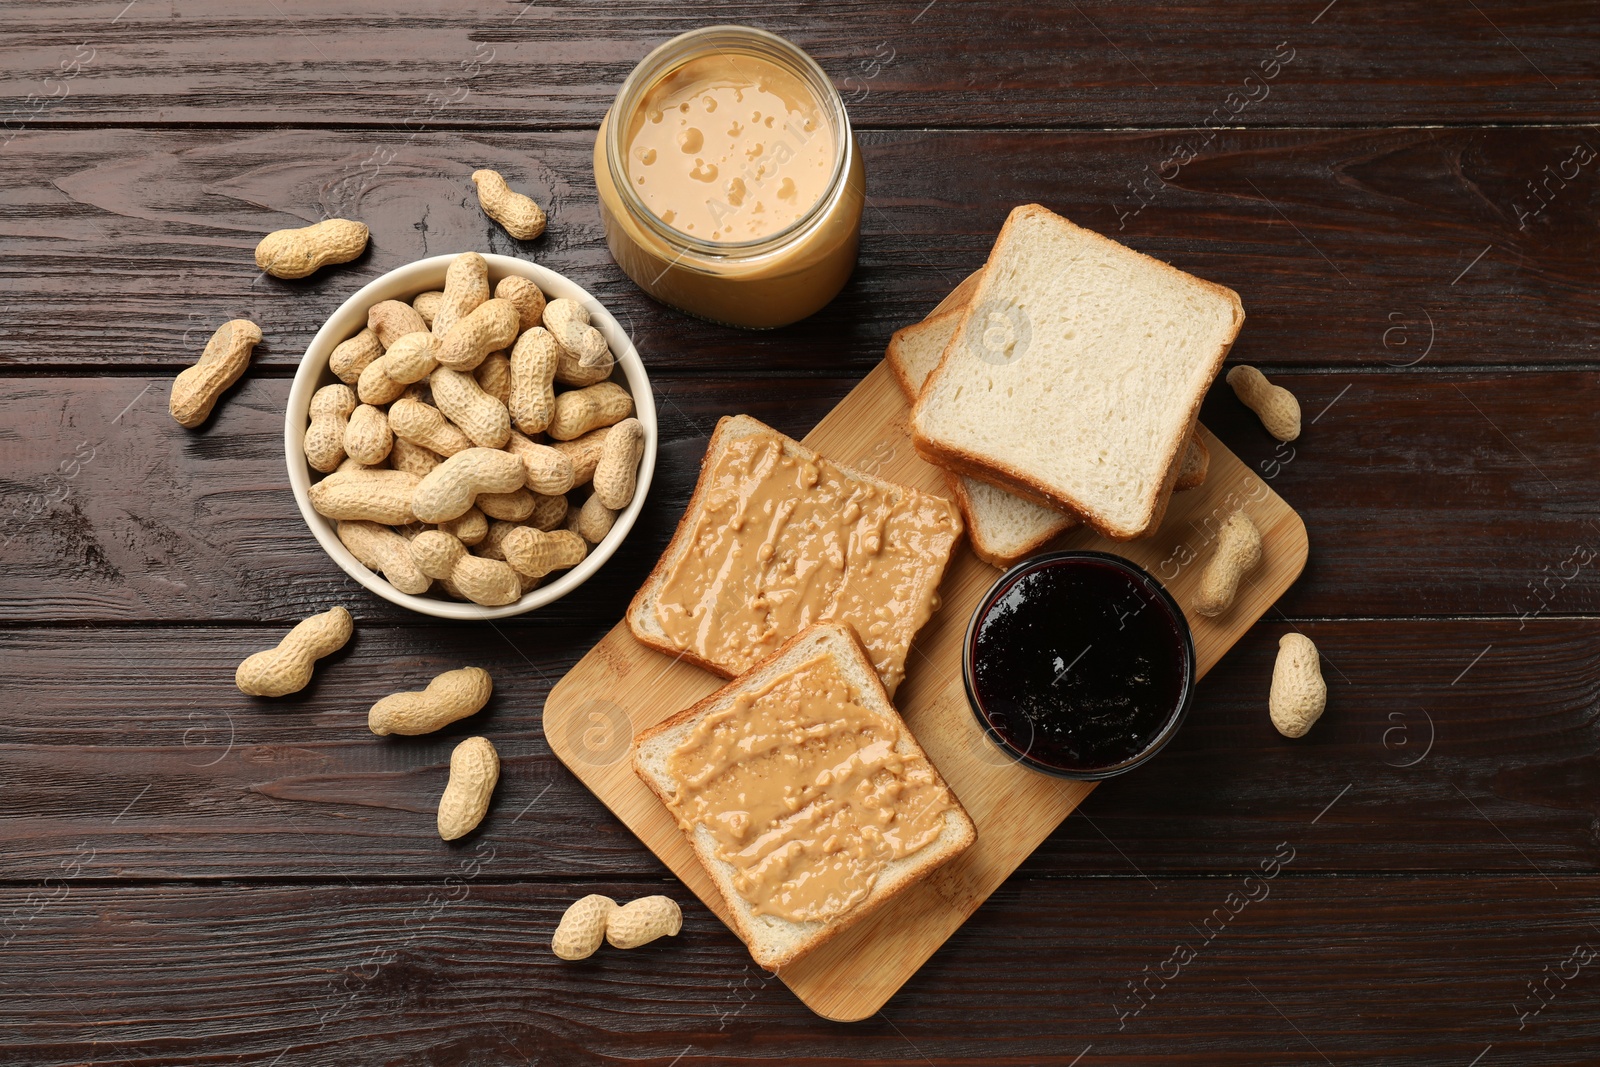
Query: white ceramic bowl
404	284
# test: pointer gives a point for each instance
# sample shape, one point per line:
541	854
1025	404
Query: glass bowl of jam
1079	664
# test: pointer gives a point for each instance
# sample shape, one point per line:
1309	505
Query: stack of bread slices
1062	385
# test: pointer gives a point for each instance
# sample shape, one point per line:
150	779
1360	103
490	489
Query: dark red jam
1079	663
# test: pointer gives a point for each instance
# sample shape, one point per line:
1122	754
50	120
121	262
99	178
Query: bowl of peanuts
470	436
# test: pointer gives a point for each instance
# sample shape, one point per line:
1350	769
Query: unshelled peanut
584	452
641	921
299	252
469	528
425	425
514	506
286	669
427	305
494	376
550	472
548	512
195	391
1298	694
519	214
582	410
1277	408
413	458
450	697
582	929
536	553
331	407
489	582
466	285
594	520
373	495
451	487
533	374
568	321
489	327
527	296
367	437
375	387
617	473
479	415
351	357
1238	553
390	320
412	357
382	550
474	770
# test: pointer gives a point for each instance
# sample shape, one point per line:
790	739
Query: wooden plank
1094	63
1369	249
462	972
1446	733
853	975
1406	482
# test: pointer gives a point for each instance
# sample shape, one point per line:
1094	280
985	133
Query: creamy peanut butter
781	542
806	793
730	148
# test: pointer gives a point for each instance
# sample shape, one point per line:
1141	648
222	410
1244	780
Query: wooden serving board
621	687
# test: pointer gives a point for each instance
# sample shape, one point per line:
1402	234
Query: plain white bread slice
1002	527
1076	373
776	942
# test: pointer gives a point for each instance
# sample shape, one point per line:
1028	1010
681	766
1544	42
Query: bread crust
875	900
1004	476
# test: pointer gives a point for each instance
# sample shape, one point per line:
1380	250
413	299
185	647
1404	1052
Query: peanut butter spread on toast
805	793
781	542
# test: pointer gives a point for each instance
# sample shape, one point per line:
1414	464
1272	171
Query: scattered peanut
617	473
391	320
1238	553
521	217
466	285
330	410
1277	408
351	357
227	354
286	669
299	252
494	376
382	550
474	770
427	305
582	410
594	520
412	357
528	297
372	495
489	582
1298	692
582	929
490	326
550	472
533	372
584	452
413	458
450	697
470	527
568	321
367	437
375	387
536	553
425	425
641	921
507	507
449	490
479	415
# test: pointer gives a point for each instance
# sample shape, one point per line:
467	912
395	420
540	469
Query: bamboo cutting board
621	687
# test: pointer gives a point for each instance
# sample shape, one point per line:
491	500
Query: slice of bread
1003	528
1076	374
932	524
774	941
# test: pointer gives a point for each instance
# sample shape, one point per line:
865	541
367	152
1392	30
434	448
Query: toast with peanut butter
776	538
803	794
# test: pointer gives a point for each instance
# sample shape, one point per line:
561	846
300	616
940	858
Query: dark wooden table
1404	194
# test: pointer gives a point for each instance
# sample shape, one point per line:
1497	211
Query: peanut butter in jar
730	181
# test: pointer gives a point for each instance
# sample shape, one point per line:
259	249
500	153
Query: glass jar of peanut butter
730	182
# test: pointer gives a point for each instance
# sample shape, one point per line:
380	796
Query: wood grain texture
1370	249
1426	494
441	974
1043	63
